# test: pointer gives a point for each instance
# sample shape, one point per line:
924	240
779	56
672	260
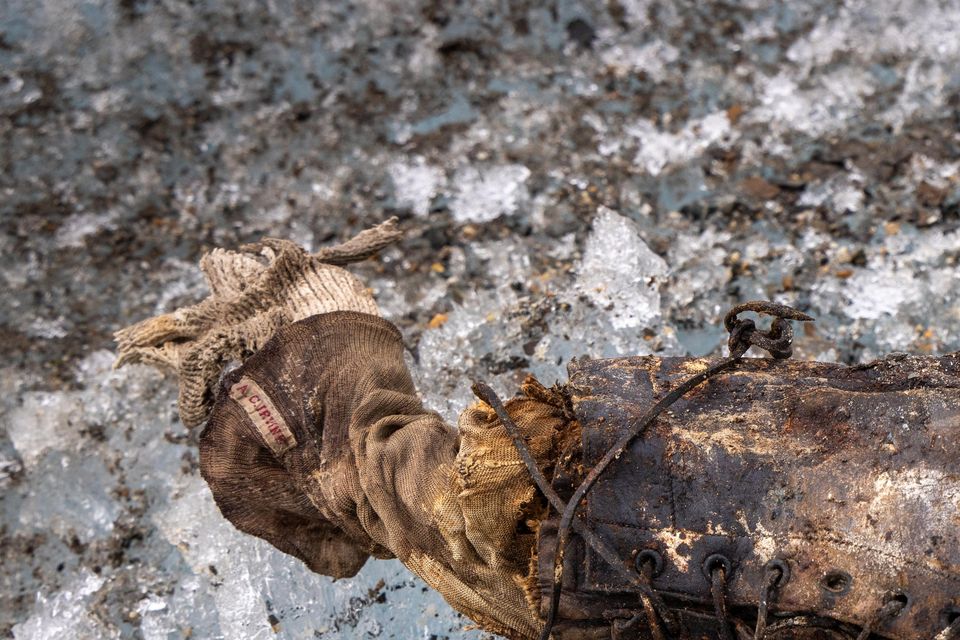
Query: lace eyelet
652	558
836	582
949	616
717	561
902	597
783	567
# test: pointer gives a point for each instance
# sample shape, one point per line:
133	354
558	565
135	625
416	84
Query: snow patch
415	184
485	194
659	149
653	58
874	293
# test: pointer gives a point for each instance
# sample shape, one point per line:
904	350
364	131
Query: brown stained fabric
373	472
339	460
319	444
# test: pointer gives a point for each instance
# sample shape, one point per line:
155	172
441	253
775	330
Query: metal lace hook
776	575
718	568
778	340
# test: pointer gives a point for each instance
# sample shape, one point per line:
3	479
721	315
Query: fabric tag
264	415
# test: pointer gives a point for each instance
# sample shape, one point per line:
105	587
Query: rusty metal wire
640	581
743	334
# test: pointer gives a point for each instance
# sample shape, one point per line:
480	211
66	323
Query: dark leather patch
836	471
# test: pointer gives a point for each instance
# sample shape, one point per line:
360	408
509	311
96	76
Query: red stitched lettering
264	415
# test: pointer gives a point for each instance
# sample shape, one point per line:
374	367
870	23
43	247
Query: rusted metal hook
778	340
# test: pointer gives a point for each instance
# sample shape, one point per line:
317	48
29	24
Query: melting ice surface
104	466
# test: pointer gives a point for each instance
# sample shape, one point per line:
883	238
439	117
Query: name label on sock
264	415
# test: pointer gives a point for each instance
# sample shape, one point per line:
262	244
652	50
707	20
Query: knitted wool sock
253	293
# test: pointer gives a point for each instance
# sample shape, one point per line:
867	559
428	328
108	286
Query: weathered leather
839	471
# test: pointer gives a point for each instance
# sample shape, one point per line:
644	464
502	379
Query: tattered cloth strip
254	291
